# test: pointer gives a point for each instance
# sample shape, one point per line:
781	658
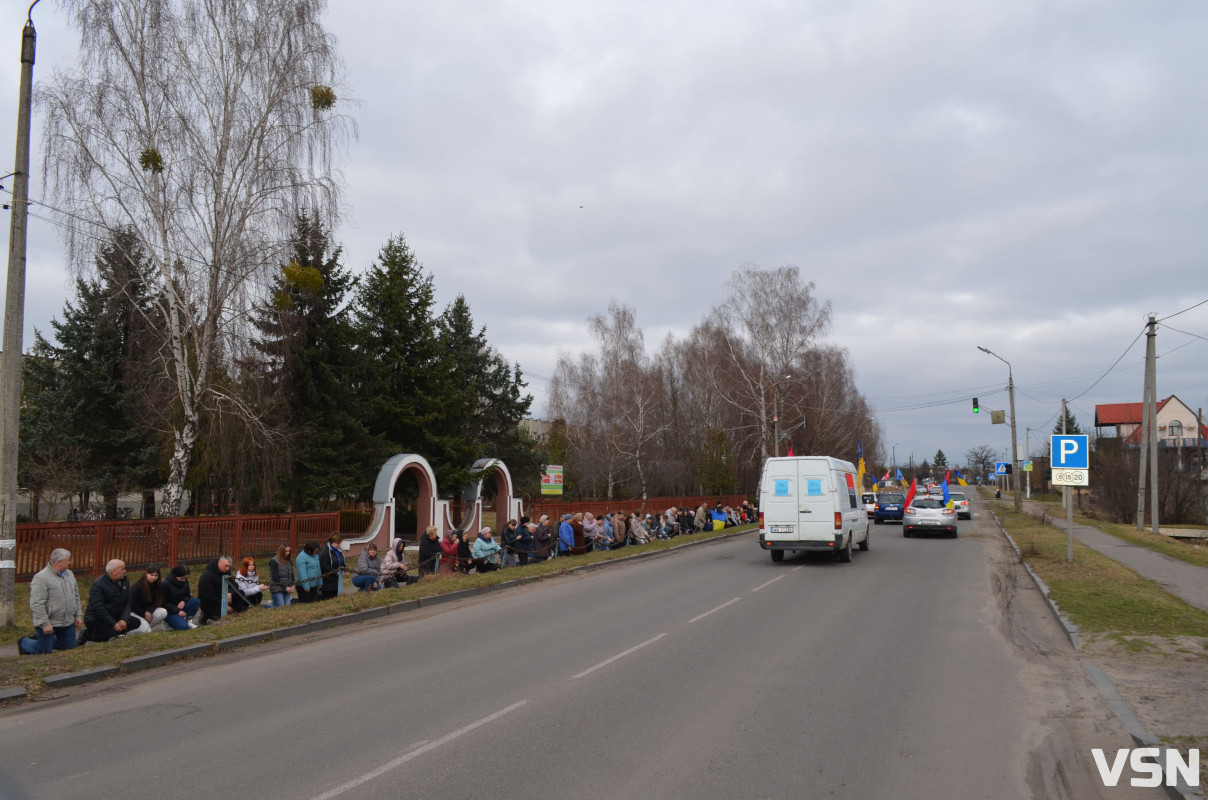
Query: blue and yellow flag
902	479
959	478
947	495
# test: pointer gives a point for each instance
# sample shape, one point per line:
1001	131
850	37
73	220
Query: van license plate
782	529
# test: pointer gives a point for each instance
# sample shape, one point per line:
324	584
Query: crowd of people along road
156	601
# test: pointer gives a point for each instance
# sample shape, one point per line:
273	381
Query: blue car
889	506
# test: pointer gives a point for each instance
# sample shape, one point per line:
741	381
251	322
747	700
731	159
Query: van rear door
779	501
815	500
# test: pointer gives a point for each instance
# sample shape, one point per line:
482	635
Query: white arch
435	511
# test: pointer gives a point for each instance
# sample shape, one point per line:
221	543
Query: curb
83	676
1115	701
1071	630
164	657
13	693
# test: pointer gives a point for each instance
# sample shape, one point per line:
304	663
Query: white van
811	503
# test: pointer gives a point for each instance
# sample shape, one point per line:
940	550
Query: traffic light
976	408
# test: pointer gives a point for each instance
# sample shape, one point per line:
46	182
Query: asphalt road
713	673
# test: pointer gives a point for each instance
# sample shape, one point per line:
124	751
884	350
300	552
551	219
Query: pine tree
308	344
940	460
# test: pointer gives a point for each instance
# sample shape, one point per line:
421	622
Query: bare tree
981	459
772	319
203	128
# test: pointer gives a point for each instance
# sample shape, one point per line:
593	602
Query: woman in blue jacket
307	573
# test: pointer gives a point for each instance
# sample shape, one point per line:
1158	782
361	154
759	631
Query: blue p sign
1071	452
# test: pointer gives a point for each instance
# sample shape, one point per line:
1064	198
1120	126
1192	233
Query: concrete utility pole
1149	430
14	329
1065	497
1014	438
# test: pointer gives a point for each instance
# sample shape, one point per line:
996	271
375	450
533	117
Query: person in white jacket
394	566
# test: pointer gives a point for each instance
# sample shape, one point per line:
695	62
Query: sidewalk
1181	579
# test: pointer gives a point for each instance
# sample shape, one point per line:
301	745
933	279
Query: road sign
1071	477
998	417
1027	466
1071	452
1000	468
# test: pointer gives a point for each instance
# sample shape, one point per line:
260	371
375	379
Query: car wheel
844	555
877	520
778	556
906	531
952	535
864	544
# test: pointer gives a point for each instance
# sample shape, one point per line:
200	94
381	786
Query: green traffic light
976	408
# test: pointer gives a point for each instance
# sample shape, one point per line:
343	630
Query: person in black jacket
108	614
179	600
211	588
331	564
429	551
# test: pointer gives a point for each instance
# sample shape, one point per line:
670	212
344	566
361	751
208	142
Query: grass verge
29	671
1099	595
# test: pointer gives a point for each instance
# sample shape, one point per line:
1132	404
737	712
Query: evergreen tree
484	399
310	357
88	387
1071	424
400	368
940	461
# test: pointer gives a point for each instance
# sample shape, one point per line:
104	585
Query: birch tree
772	319
203	127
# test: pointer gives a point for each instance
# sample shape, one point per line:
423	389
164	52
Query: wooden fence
167	541
651	505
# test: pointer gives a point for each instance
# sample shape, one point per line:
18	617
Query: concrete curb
164	657
13	693
1115	701
223	645
83	676
1071	630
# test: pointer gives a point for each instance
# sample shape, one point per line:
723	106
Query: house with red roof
1177	423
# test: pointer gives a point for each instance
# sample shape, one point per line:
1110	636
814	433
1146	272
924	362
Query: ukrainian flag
959	478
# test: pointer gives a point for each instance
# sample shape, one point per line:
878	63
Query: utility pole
1199	463
14	329
1149	431
1065	497
1027	450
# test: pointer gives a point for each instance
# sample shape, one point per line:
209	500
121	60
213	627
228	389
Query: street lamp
1014	446
894	453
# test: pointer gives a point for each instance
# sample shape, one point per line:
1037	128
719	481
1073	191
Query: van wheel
864	544
778	556
844	555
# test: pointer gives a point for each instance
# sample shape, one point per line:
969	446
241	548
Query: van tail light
761	520
838	520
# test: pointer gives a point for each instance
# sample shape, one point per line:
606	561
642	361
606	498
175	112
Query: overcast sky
1027	176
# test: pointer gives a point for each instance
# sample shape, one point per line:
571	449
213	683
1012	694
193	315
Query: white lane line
794	569
769	583
416	753
605	663
719	608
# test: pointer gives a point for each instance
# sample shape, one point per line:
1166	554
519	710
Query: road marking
719	608
794	569
769	583
633	649
416	753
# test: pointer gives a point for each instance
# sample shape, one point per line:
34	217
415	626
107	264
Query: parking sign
1071	452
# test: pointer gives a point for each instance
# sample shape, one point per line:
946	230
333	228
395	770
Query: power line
1184	311
1113	366
1185	333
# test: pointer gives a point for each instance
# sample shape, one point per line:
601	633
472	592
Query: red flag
946	473
790	451
885	477
910	494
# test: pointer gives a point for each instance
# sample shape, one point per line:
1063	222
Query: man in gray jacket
54	602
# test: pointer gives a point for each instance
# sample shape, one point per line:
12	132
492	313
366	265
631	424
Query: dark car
889	506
